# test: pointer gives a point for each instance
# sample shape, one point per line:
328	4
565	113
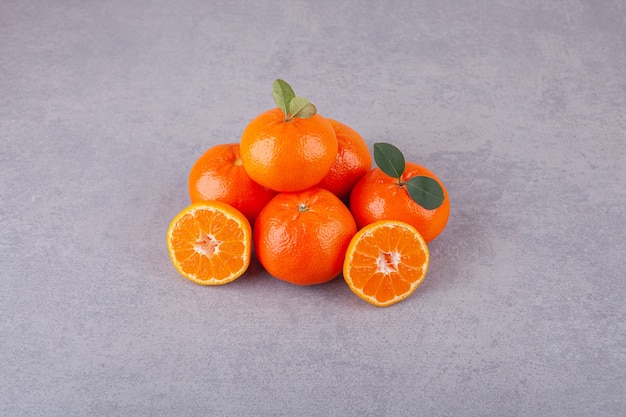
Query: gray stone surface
519	107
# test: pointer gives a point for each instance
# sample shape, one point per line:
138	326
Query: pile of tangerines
300	190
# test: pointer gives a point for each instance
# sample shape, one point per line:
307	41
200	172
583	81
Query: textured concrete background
519	107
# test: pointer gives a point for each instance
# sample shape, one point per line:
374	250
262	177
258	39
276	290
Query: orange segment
210	243
385	262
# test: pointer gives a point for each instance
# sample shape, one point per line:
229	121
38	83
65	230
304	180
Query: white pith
387	262
207	245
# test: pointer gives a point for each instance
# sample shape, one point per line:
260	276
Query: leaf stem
291	105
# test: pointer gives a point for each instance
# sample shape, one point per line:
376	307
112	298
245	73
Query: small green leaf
283	94
302	108
425	191
389	159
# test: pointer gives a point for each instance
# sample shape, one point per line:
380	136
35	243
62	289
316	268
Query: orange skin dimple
288	156
377	196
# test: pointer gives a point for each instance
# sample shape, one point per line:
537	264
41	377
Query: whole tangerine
352	163
291	147
218	174
288	155
378	196
302	237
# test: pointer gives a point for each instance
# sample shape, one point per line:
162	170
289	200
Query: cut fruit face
385	262
210	243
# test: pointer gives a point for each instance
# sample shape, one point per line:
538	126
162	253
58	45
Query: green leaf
389	159
425	191
302	108
283	94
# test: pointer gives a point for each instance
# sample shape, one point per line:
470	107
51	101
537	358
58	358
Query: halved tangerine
385	262
210	243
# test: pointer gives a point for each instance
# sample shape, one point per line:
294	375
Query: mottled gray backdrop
518	106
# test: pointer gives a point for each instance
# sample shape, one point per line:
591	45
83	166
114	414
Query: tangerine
378	196
288	155
289	148
385	262
302	237
352	163
219	175
210	243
